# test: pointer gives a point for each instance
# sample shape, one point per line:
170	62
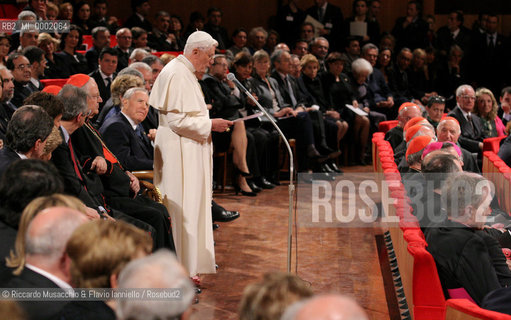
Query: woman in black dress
73	62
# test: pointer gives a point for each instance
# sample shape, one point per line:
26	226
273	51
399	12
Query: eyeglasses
125	37
468	97
436	99
23	67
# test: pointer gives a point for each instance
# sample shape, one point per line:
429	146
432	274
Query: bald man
325	307
449	130
395	135
46	264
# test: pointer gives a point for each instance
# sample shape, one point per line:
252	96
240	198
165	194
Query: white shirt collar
66	134
465	114
103	75
140	16
59	282
35	82
324	6
132	123
455	33
22	156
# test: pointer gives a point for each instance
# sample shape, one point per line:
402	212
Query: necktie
290	89
491	43
108	81
141	134
321	14
469	118
75	164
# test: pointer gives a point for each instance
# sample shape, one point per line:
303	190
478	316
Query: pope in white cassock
183	164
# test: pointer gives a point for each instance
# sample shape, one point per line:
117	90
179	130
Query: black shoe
324	168
237	190
323	176
215	226
334	167
262	182
313	153
219	214
255	188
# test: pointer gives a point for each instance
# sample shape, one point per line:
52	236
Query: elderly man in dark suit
26	135
472	134
449	130
124	134
105	74
45	258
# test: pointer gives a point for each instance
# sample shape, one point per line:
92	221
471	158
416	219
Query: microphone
232	77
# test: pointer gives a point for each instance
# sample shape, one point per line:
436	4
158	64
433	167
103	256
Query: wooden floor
343	260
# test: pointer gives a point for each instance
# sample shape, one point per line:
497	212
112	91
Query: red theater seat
458	309
385	126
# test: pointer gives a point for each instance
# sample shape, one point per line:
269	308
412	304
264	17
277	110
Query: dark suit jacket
159	43
123	59
445	40
7	239
413	36
284	91
469	138
466	262
7	156
133	152
394	136
72	65
219	34
505	151
469	161
21	92
40	310
498	300
487	65
5	116
224	104
262	91
134	21
398	84
85	310
332	20
104	92
92	56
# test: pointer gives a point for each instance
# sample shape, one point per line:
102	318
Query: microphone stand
291	187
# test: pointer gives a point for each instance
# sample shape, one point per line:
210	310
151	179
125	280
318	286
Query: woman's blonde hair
101	248
122	83
16	258
308	58
47	37
495	107
269	298
53	141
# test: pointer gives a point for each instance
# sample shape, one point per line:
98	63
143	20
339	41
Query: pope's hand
220	125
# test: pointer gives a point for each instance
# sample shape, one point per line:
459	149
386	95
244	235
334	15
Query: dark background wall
251	13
